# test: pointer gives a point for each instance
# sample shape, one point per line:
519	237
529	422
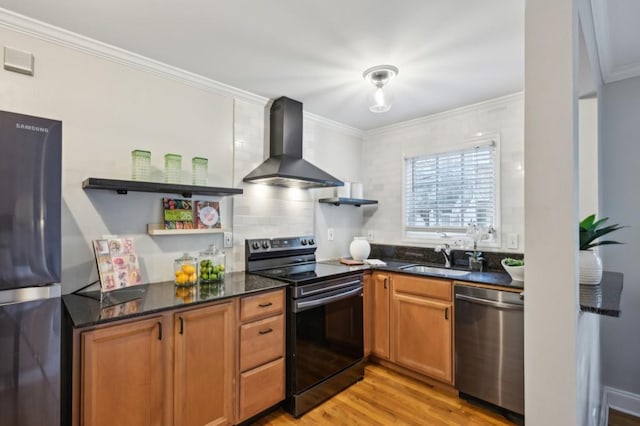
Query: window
445	192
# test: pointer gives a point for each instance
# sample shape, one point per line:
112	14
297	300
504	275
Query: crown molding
52	34
601	25
334	125
491	103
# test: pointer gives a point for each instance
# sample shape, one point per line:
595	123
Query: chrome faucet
446	252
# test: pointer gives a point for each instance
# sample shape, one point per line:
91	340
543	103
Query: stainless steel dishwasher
489	346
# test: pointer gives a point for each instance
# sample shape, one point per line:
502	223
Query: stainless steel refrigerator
30	246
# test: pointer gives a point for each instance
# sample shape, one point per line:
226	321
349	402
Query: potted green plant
514	267
590	263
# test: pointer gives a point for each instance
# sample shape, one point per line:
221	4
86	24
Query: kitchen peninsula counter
86	309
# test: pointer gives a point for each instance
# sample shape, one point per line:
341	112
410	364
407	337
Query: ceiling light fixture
379	76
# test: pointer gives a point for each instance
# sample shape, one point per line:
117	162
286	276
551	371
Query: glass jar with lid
186	270
212	265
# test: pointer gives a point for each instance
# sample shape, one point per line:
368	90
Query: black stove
325	345
291	260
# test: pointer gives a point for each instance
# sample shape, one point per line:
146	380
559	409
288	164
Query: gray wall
620	156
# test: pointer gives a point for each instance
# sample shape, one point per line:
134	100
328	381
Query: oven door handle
493	303
304	305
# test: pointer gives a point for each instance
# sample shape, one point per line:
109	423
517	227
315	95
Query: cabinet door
123	376
381	291
422	335
204	366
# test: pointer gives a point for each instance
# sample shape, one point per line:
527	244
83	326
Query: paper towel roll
357	190
344	191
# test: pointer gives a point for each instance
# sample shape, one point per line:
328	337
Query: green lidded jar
199	167
211	265
140	165
172	168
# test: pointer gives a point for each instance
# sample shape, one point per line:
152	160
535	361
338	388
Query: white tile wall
384	148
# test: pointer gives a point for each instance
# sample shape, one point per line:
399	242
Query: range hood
285	165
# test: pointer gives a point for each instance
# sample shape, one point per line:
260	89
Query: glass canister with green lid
212	265
186	270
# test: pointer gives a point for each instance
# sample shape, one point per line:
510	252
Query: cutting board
351	262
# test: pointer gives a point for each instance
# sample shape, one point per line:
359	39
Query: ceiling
450	53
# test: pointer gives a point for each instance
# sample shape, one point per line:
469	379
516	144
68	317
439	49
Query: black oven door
326	336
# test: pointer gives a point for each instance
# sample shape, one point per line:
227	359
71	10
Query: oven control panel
263	245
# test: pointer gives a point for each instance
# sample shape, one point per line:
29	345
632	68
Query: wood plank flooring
385	397
618	418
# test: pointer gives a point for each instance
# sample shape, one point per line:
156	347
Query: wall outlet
370	235
228	240
330	234
512	240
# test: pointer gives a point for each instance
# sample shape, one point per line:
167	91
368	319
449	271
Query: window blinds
447	191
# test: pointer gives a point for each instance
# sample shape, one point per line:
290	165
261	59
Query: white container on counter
359	248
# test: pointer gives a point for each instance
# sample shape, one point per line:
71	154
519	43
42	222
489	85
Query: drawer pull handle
159	330
265	305
267	331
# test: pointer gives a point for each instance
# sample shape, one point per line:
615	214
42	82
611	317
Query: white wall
107	110
384	149
110	107
551	213
621	203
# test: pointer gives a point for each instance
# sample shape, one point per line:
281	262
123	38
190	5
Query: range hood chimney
285	165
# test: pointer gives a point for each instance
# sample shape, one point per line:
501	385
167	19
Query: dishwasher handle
486	302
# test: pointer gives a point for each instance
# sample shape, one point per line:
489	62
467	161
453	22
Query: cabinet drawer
261	305
261	388
428	287
261	342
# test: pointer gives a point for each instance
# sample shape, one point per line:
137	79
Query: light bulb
379	102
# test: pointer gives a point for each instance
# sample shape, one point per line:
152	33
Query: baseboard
620	400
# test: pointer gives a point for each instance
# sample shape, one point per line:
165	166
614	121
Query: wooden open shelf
158	229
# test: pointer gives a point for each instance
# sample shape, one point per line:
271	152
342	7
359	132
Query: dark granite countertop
86	309
604	298
501	279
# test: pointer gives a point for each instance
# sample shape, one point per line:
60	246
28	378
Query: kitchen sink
422	269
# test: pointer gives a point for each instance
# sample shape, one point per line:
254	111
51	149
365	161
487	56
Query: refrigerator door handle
29	294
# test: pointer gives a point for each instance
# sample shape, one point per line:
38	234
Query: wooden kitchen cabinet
422	326
123	374
203	365
261	371
130	372
380	295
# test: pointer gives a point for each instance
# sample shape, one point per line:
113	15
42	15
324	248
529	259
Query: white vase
359	248
590	267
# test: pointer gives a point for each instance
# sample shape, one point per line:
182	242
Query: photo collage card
117	261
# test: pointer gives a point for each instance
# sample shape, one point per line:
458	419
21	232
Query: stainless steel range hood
285	165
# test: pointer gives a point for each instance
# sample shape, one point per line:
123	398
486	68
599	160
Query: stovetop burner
307	273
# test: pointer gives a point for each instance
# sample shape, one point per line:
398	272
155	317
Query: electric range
325	346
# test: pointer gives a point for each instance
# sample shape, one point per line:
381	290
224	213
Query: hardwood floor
618	418
385	397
